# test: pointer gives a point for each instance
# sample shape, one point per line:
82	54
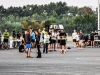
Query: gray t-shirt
27	38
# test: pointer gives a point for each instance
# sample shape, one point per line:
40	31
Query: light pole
98	16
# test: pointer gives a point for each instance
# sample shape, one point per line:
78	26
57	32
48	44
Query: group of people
29	40
4	38
82	40
54	39
51	40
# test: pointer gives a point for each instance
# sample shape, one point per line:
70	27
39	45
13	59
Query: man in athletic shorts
28	43
6	38
62	40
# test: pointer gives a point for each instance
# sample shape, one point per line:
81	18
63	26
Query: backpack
83	37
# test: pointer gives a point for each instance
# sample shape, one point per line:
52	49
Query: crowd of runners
52	41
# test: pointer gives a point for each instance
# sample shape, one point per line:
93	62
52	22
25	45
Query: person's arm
23	40
4	34
72	35
65	35
60	36
8	35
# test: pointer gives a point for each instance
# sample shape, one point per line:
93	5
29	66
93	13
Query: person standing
77	39
28	43
53	38
63	40
74	37
18	35
6	39
14	38
43	32
58	39
81	36
50	40
95	35
86	38
92	38
46	42
32	38
38	44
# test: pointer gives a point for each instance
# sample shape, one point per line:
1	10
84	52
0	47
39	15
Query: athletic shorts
28	45
32	40
58	41
92	39
62	42
86	40
74	40
5	40
53	41
50	41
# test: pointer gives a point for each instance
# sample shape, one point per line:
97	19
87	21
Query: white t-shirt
53	36
74	35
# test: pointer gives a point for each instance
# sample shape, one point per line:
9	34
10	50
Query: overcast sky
80	3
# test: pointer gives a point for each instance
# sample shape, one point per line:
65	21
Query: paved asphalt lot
74	62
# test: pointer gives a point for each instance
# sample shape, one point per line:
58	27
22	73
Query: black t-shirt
62	34
37	40
18	35
27	38
86	37
14	34
92	35
49	33
39	35
24	36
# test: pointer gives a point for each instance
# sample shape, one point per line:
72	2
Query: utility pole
98	15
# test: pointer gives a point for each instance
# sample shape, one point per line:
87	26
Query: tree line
72	17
